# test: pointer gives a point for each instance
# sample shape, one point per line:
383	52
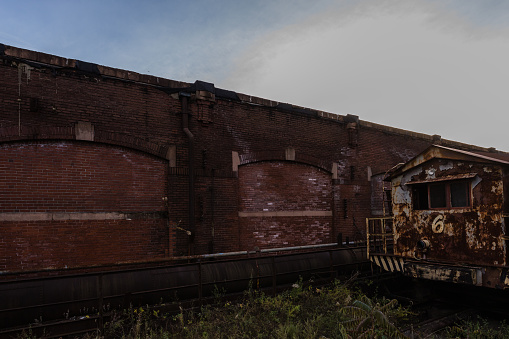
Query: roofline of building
57	62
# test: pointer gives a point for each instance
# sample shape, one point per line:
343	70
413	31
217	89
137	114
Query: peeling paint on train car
464	275
449	212
472	234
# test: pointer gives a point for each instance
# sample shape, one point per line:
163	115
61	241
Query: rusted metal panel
473	234
449	212
78	295
464	275
444	178
486	276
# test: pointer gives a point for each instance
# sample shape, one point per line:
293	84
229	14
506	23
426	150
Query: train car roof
443	152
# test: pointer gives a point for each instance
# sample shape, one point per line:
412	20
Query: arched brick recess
283	204
73	203
26	133
281	156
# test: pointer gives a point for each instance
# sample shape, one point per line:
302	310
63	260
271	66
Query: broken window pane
420	197
459	194
437	196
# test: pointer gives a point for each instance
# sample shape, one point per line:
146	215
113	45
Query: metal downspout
212	202
190	137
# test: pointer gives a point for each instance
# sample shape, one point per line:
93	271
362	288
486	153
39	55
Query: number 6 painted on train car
438	224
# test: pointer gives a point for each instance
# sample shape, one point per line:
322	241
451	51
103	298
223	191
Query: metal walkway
83	299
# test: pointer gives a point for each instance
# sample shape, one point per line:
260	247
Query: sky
428	66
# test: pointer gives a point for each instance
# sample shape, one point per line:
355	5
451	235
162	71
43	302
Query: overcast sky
429	66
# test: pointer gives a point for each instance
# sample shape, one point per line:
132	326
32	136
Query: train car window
459	194
420	197
440	195
437	196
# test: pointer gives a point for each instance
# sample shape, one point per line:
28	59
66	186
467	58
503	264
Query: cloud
415	65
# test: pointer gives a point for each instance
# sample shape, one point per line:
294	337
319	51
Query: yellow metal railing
380	235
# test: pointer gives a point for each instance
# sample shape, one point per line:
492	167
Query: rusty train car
448	220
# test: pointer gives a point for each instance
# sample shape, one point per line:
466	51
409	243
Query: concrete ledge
66	63
286	214
60	216
84	131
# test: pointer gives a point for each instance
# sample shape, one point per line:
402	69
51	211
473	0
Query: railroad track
445	305
444	315
439	305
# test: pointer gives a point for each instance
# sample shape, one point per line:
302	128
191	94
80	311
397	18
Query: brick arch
27	133
281	156
283	204
75	203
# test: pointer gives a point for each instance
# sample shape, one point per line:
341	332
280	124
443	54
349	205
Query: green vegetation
336	311
478	329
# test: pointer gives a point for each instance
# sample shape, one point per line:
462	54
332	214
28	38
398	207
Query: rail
165	261
379	235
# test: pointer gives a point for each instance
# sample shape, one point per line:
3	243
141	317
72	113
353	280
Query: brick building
100	165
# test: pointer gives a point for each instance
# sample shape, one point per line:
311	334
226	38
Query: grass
338	310
335	311
478	328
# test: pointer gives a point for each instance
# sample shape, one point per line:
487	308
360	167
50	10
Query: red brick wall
283	186
51	193
287	187
380	151
78	177
144	113
38	245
